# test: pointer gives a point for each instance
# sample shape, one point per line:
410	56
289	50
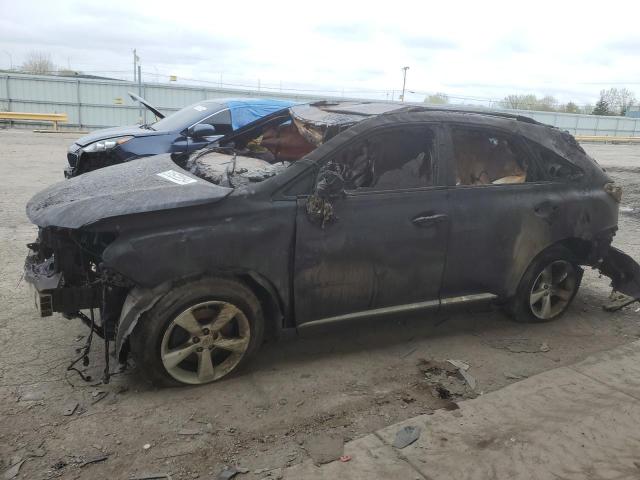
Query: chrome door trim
410	307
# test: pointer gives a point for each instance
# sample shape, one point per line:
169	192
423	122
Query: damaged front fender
139	301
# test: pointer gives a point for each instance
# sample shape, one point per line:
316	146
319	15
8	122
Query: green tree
602	108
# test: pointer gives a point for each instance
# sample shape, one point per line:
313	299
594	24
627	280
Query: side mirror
202	130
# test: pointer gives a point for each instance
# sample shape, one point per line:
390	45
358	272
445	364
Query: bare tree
571	107
529	102
38	63
618	99
437	99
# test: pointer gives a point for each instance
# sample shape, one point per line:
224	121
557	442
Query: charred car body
323	212
183	132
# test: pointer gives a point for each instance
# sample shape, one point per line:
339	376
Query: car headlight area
104	145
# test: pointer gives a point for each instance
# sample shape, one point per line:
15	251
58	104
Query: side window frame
438	179
224	110
519	143
544	176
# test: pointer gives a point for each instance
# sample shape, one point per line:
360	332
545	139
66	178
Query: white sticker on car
200	108
176	177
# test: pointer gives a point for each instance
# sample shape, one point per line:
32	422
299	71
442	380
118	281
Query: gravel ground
346	380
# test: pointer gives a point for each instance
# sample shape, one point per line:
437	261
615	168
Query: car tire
216	319
547	288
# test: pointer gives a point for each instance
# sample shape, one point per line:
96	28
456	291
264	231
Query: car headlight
104	145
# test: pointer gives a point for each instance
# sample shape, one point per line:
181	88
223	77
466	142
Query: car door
498	215
384	247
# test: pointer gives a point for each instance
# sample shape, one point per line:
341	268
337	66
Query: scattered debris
544	347
459	364
98	459
324	448
470	379
13	470
406	436
518	345
59	465
345	458
98	395
146	446
70	409
230	472
448	380
617	301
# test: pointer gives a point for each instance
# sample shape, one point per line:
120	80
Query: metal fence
92	104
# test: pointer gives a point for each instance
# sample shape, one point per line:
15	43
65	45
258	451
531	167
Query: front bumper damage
66	277
50	293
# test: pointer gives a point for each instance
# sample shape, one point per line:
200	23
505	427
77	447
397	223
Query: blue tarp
244	111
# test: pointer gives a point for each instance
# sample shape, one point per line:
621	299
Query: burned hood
146	185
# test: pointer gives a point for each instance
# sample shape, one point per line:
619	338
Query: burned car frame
318	213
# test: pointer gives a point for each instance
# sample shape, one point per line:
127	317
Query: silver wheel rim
205	342
553	289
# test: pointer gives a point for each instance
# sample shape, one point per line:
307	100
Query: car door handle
428	220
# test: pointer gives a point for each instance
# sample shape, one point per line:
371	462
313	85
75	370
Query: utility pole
135	65
141	111
404	81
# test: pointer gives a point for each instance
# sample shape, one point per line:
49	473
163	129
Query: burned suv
323	212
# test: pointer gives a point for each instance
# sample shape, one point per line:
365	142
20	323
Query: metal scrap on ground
406	436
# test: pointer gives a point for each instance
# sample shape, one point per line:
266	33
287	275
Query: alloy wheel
205	342
553	289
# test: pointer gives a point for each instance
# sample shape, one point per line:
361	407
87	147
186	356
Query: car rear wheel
198	333
547	287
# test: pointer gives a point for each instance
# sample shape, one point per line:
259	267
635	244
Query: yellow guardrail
607	139
36	117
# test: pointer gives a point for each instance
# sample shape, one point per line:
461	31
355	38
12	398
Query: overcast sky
485	49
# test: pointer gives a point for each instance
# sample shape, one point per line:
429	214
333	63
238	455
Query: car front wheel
198	333
547	287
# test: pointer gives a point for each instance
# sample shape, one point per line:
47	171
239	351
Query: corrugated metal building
97	103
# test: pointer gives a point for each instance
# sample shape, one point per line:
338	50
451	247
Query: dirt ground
347	380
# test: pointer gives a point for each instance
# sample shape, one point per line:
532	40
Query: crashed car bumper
50	295
623	271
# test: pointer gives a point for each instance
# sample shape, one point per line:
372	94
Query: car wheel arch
141	300
580	248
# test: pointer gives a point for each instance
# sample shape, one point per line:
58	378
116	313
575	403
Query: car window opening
487	158
254	157
554	166
388	160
